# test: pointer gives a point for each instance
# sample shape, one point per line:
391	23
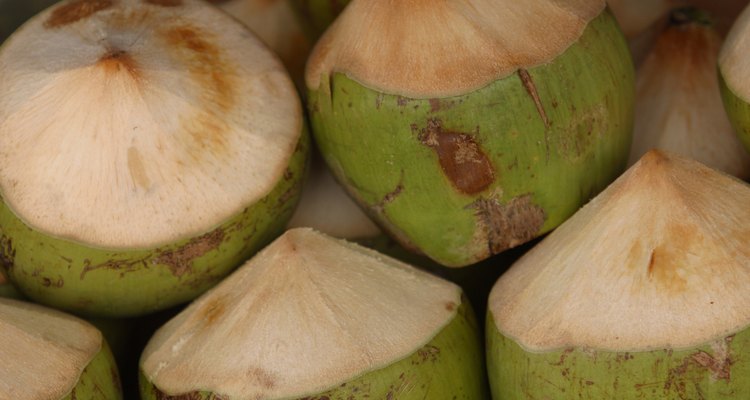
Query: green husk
738	111
100	379
109	283
449	367
715	370
547	158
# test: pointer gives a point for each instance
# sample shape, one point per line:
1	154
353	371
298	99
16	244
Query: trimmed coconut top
326	207
133	123
306	300
424	48
658	260
679	106
734	59
43	351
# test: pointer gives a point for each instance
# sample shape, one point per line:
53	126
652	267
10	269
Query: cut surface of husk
140	123
422	47
306	300
44	351
658	260
678	100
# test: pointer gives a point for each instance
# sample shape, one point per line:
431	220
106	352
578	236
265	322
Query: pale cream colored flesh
679	107
734	63
327	208
276	24
43	351
658	260
437	48
142	123
307	313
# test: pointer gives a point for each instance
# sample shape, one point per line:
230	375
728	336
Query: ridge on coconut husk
371	326
51	355
678	98
145	146
465	142
640	294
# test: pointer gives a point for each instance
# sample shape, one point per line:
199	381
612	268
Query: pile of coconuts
374	199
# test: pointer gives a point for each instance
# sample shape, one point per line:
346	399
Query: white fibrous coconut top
679	106
43	351
423	48
734	59
327	208
658	260
306	314
132	123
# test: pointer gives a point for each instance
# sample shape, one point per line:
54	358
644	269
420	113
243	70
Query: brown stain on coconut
504	226
461	158
214	309
137	169
180	261
117	61
670	261
74	11
194	50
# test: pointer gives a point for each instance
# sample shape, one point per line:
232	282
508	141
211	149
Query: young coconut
315	317
678	100
49	355
467	141
147	148
640	295
7	289
734	76
276	23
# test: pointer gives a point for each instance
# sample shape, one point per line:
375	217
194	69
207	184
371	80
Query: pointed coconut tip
306	300
658	260
43	351
420	48
137	123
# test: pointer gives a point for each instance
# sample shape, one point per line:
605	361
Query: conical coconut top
423	48
304	315
734	60
43	351
133	123
659	259
679	106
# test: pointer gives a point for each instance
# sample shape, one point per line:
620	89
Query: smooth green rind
548	158
738	111
105	283
449	367
717	370
99	380
317	15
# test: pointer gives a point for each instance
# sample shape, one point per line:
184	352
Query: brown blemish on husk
117	61
75	11
7	253
212	311
187	396
528	84
262	378
180	261
194	48
427	353
461	158
164	3
508	225
694	366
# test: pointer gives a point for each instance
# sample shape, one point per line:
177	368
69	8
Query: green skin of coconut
738	111
544	164
576	373
99	380
123	283
317	15
449	367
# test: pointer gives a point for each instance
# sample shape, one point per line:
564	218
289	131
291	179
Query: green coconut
467	141
734	76
678	100
147	148
7	289
49	355
640	295
312	317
